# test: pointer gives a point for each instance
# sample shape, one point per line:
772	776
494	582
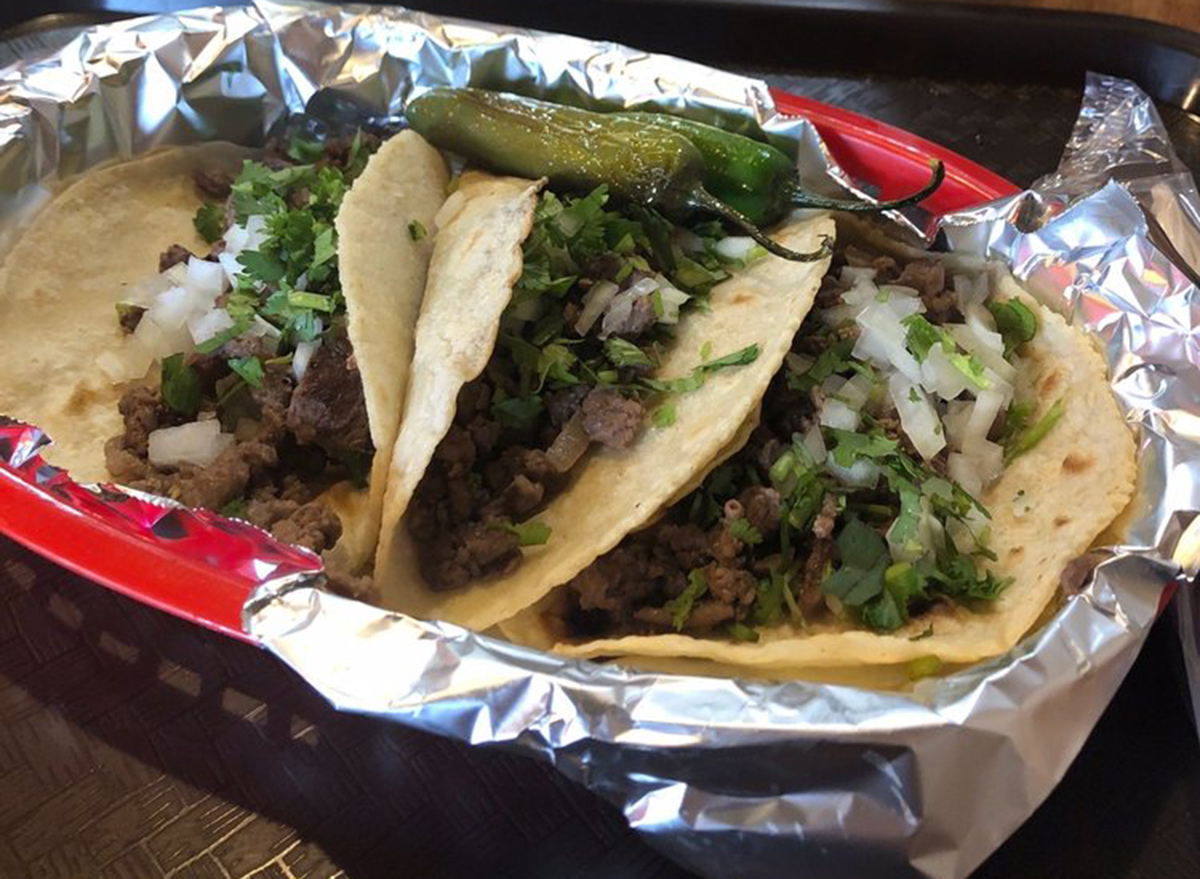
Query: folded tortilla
60	283
477	259
1047	508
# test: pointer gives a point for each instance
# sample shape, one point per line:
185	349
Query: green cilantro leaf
518	413
531	533
417	231
208	346
922	335
852	446
180	386
624	353
742	633
864	559
745	532
210	221
664	415
681	607
249	368
1015	321
264	266
1026	439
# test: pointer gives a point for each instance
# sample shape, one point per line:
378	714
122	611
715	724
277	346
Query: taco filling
856	499
598	300
260	405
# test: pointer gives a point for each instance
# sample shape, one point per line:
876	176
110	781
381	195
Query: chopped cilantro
249	368
208	346
623	353
769	601
1016	323
235	509
210	221
416	231
745	532
518	413
864	559
922	335
742	633
681	607
180	386
264	266
1026	439
664	415
834	360
695	380
315	301
531	533
852	446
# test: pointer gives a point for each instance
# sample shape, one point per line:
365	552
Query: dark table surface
137	746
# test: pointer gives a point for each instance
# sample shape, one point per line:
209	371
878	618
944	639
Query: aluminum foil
729	777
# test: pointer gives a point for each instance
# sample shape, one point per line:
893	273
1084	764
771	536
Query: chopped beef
142	411
226	478
705	616
886	269
173	256
736	587
466	554
328	407
928	278
825	521
214	184
809	593
313	525
129	316
612	419
761	507
563	404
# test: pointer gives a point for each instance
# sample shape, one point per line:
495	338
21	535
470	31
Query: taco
936	452
230	333
576	364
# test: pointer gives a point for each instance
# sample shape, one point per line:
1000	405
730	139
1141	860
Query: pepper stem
705	200
802	198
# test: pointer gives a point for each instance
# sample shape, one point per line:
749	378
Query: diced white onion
815	443
205	278
860	294
864	473
177	275
158	342
301	357
963	471
970	291
835	413
983	415
735	248
672	299
883	340
918	419
143	292
645	286
975	338
941	377
171	308
259	328
196	443
856	390
594	302
621	305
208	324
853	274
958	414
570	444
230	266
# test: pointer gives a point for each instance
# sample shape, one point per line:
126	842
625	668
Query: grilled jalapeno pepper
641	163
759	180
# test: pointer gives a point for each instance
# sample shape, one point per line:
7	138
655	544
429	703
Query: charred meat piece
328	407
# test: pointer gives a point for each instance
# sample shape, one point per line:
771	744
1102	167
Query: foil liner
729	777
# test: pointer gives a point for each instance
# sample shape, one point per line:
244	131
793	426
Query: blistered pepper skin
640	163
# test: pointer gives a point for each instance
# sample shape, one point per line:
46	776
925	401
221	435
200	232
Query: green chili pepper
578	150
759	180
